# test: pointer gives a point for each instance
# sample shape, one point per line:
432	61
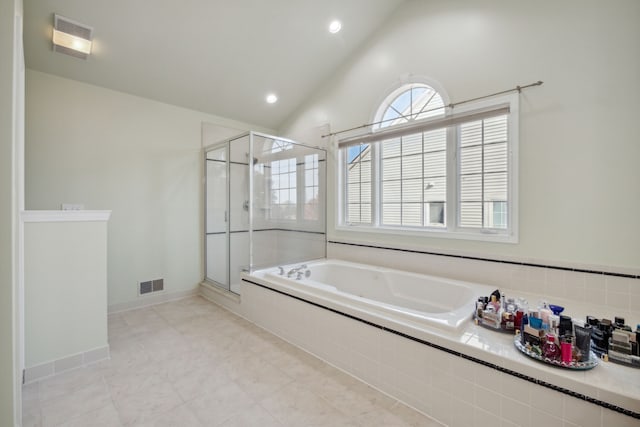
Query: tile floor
193	363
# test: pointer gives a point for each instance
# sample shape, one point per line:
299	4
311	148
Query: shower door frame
227	223
226	143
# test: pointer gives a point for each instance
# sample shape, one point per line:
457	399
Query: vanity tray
478	321
578	366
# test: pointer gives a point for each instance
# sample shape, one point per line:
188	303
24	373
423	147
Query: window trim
452	230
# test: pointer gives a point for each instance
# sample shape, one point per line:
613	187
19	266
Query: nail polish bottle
550	349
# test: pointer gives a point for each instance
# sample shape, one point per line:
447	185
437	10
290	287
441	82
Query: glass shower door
216	216
239	257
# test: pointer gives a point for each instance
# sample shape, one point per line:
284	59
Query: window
311	187
359	183
293	183
428	168
283	186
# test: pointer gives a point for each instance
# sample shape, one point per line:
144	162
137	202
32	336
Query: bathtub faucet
299	271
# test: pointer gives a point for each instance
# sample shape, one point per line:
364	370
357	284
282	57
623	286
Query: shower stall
265	203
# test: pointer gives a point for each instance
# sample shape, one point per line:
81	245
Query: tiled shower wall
604	295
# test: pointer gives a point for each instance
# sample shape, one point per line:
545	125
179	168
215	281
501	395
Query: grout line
513	373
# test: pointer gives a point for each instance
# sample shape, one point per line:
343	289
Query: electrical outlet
72	206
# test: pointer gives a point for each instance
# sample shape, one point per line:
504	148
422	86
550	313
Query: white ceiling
217	56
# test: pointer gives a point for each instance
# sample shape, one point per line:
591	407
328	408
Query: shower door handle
225	216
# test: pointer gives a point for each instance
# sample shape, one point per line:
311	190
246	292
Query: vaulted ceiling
217	56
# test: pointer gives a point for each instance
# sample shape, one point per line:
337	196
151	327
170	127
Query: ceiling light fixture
272	98
335	26
71	38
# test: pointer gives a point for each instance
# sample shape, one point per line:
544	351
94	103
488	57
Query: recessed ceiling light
335	26
272	98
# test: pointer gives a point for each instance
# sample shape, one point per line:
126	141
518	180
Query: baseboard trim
149	300
67	363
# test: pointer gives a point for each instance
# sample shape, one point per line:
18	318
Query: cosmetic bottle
618	323
583	341
545	312
507	322
493	305
479	307
518	319
566	349
508	315
565	328
524	322
550	349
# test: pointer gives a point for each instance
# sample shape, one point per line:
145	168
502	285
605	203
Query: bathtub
391	294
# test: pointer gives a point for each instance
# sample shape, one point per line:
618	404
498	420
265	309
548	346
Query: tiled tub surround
605	290
471	377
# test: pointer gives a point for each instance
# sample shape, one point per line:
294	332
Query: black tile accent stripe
513	373
527	264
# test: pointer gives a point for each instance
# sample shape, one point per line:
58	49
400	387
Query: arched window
425	168
410	102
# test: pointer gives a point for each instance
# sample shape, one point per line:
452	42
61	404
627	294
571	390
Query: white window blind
483	172
359	184
452	175
414	179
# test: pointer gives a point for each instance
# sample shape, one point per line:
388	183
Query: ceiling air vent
71	37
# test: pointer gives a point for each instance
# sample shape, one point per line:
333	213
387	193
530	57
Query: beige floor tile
380	417
106	416
412	417
177	417
204	379
175	368
263	380
228	371
31	415
115	321
31	396
219	405
223	348
68	382
296	405
91	397
146	403
132	382
255	416
142	316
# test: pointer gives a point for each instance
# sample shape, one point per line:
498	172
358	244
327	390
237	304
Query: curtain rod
451	105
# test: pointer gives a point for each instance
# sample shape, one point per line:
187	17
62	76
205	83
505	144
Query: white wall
11	97
65	290
140	158
579	197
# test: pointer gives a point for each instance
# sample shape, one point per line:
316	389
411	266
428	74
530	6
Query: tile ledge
65	216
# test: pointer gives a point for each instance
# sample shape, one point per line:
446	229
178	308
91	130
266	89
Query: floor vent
150	286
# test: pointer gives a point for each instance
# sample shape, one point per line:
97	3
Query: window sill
488	236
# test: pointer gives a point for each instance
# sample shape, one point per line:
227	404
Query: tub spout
297	271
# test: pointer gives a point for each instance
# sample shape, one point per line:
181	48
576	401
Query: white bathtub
393	294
